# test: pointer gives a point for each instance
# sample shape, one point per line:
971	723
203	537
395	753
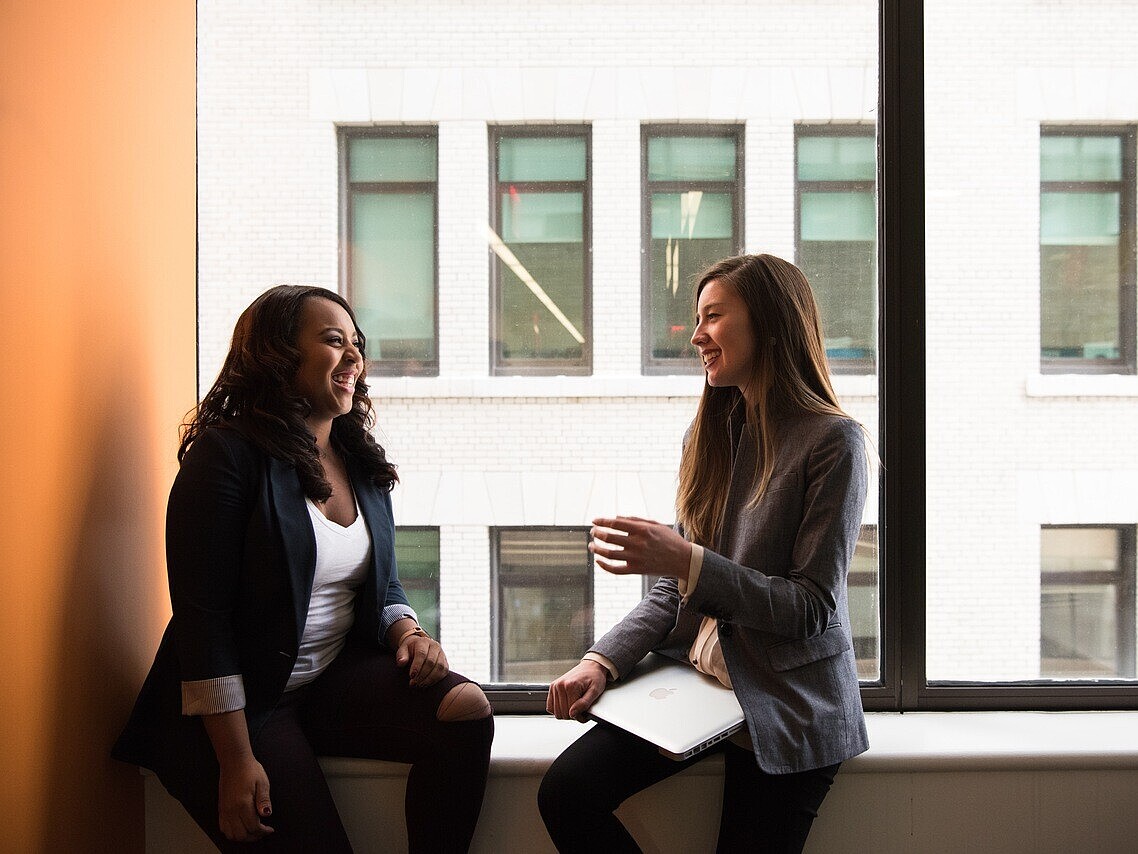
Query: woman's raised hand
627	545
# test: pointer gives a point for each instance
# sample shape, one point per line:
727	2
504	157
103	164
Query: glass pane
1080	603
676	264
1080	158
541	159
843	276
865	610
691	158
837	158
1087	218
546	619
543	277
542	217
417	557
694	214
392	159
1018	267
393	273
838	216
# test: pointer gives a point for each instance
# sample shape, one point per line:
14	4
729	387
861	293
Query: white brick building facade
1008	449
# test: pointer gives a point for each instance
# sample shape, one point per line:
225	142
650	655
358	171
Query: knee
464	702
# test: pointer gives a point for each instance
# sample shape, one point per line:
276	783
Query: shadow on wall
109	616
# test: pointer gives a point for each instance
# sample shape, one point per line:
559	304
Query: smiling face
724	337
330	362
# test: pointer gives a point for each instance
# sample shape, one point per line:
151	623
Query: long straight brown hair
790	376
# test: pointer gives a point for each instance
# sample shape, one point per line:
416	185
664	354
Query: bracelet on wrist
418	630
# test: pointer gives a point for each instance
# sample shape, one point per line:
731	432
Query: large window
417	557
836	230
1086	249
1087	602
539	244
692	216
390	223
544	602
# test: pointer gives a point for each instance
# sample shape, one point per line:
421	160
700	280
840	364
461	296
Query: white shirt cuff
694	567
603	661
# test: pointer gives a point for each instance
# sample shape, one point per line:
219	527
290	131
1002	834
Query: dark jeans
362	706
598	772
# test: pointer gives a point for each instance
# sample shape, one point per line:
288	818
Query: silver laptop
672	705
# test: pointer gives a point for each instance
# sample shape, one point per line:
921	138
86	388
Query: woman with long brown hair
292	636
773	478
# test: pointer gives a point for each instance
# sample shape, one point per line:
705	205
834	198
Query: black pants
362	706
598	772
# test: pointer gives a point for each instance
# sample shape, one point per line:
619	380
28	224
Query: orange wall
97	327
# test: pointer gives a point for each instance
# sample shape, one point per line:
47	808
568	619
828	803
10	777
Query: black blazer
240	555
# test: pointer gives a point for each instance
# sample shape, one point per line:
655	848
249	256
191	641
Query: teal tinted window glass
542	217
838	216
1080	158
393	273
391	159
691	158
417	559
837	158
692	215
1086	219
541	159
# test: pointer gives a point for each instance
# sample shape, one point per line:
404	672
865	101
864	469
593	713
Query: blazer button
725	630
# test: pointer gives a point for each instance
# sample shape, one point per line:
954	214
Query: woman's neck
322	431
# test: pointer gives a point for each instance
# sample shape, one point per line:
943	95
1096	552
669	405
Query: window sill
1082	385
525	745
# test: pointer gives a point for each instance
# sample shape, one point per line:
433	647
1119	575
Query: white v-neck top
342	555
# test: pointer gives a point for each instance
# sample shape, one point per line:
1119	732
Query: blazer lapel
296	535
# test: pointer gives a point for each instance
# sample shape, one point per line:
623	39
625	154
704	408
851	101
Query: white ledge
524	745
597	385
1082	385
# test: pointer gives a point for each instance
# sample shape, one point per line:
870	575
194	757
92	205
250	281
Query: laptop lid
672	705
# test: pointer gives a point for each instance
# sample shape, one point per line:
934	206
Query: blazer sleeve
798	598
644	628
206	519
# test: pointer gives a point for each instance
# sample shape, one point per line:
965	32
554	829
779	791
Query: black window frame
1128	262
346	133
902	394
542	367
650	365
831	129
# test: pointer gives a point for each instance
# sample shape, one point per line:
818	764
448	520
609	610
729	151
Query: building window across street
1087	602
1087	249
543	611
390	223
692	216
836	237
539	250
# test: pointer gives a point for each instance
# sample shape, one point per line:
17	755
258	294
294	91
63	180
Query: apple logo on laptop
661	693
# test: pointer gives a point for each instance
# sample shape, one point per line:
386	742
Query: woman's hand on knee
572	695
424	658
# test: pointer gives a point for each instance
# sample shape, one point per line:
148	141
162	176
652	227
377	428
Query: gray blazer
776	584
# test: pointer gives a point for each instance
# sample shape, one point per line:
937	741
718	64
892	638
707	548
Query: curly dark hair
254	394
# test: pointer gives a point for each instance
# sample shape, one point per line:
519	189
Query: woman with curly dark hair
291	636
